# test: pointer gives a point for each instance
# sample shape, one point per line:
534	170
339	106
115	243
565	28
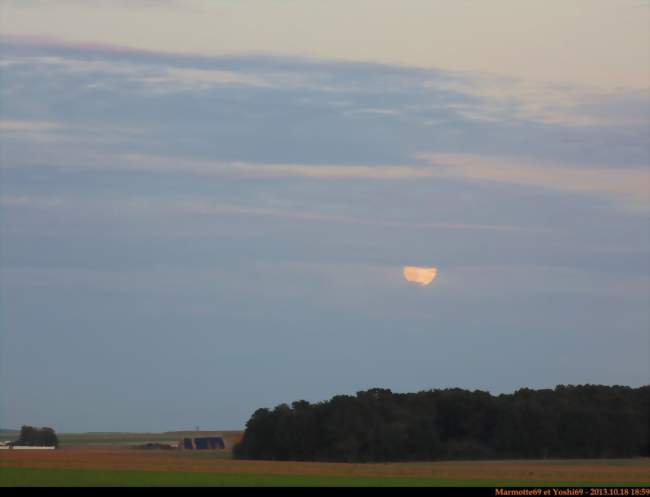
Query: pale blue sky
186	237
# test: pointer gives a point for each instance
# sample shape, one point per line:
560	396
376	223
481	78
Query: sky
207	207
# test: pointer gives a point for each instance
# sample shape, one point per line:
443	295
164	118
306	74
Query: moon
420	275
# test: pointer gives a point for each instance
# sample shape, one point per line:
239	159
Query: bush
37	437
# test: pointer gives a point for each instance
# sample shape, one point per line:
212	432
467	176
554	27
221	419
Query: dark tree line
590	421
40	437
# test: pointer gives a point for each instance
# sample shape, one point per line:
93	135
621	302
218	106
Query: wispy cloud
28	126
494	98
629	186
205	207
154	76
270	170
212	208
626	186
253	117
507	99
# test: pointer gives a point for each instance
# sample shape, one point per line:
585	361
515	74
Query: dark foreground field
106	465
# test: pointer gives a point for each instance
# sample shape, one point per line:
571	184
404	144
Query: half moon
420	275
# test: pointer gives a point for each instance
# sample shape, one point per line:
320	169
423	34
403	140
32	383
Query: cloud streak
628	186
495	99
28	126
205	207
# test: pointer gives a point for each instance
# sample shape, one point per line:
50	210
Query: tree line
586	421
38	437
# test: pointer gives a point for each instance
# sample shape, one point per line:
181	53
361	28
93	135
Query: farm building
202	443
8	445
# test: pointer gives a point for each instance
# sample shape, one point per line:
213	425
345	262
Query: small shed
202	443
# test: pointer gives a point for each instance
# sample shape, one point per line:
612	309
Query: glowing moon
420	275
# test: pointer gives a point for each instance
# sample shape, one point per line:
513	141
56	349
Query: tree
379	425
39	437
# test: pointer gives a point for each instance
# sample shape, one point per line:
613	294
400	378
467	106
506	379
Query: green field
57	477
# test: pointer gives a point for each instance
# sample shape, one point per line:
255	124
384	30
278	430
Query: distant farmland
108	439
88	462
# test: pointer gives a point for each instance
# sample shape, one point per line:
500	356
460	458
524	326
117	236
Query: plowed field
121	459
